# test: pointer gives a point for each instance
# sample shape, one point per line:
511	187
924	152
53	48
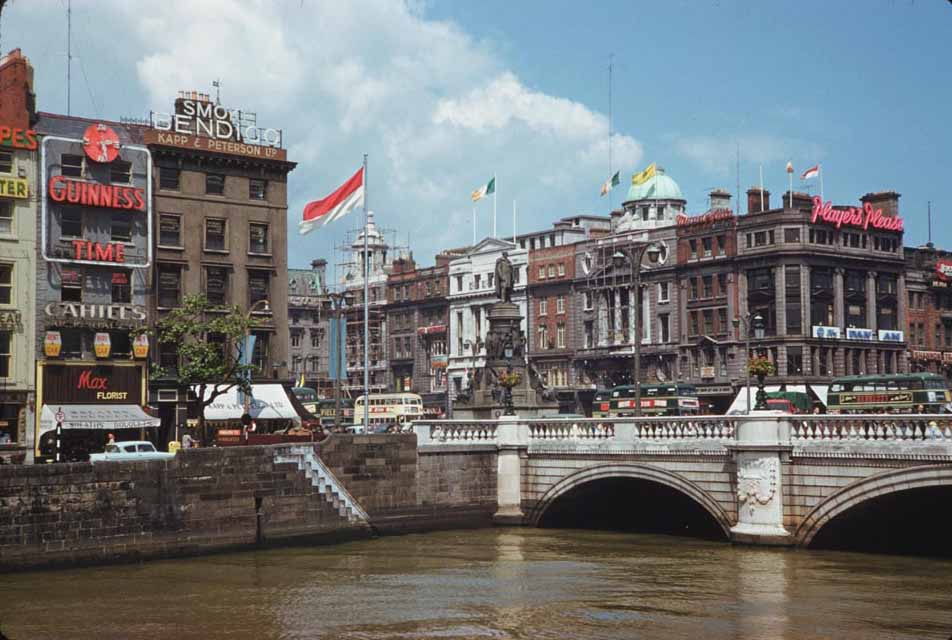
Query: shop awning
821	391
739	405
268	402
107	417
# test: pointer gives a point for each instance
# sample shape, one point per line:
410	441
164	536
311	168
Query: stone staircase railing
323	480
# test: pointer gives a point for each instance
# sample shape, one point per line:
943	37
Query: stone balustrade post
762	445
423	434
512	438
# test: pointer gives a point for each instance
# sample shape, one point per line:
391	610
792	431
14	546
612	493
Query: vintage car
131	450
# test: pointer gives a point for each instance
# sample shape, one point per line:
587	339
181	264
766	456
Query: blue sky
444	94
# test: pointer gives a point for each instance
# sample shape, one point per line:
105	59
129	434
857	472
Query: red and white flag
812	172
346	198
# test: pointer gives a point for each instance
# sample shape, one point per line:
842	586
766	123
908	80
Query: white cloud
437	111
718	154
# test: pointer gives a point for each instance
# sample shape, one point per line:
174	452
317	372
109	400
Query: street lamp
266	308
510	410
757	324
633	255
338	302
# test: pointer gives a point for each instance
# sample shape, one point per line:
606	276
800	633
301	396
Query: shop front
80	403
270	410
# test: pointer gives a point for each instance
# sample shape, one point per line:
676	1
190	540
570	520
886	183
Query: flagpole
610	174
474	225
495	189
761	188
513	222
819	170
366	312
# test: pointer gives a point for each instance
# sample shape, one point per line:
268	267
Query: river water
494	583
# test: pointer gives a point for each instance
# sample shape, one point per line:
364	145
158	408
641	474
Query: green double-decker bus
896	393
673	399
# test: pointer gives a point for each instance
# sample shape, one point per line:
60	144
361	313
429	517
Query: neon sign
205	118
854	216
91	194
18	138
715	215
100	143
110	252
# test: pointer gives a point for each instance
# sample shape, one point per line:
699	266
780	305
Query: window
664	291
551	239
72	285
121	288
541	273
170	285
216	285
459	333
722	285
214	234
6	162
6	217
259	286
644	213
708	322
693	289
258	238
71	223
257	189
551	270
721	245
120	172
760	238
515	273
459	283
708	286
706	244
215	184
693	244
791	234
588	300
315	339
543	306
296	339
260	355
121	230
560	335
722	326
561	269
170	230
169	178
560	304
694	321
6	283
72	166
543	337
6	338
664	327
476	281
589	334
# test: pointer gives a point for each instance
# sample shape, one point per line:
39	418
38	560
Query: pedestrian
187	440
110	439
920	408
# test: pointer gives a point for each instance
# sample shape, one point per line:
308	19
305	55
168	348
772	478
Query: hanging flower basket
761	367
510	380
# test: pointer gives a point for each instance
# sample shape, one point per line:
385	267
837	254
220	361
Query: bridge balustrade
897	428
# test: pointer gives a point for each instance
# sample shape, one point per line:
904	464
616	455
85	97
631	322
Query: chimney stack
720	199
753	200
888	201
319	267
17	100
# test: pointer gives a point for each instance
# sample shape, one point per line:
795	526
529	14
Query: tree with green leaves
208	338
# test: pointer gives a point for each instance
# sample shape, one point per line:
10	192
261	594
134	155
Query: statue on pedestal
504	278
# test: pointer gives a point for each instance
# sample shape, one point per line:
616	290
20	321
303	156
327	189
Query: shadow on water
913	522
631	505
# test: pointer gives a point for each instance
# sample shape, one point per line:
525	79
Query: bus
899	393
327	410
308	398
672	399
388	410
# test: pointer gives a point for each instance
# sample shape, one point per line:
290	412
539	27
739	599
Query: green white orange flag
487	189
611	182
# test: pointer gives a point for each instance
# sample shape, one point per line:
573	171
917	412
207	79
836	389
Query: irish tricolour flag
345	199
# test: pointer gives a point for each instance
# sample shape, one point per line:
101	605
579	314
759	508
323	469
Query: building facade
929	316
308	315
18	228
221	221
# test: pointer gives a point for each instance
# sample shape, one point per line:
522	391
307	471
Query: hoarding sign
861	218
826	332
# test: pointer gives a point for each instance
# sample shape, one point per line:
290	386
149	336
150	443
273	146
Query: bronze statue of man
504	278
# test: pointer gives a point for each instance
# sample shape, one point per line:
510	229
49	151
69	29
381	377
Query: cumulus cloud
437	110
717	154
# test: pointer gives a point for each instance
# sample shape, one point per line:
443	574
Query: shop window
121	288
170	285
169	178
215	234
121	230
71	223
257	189
170	230
216	285
6	359
258	236
6	283
6	217
215	184
120	172
72	165
259	286
71	289
6	162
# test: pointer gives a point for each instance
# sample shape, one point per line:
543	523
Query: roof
658	187
55	124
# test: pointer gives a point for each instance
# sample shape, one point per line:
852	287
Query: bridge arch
875	486
635	472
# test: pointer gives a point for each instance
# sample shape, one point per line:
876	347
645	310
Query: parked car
131	450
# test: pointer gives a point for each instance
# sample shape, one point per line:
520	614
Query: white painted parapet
512	437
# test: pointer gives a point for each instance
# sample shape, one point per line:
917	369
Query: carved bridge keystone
767	478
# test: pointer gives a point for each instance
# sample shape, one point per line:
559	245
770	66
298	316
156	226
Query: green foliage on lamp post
761	367
212	367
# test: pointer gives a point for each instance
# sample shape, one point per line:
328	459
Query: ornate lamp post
633	255
338	302
266	308
510	410
761	366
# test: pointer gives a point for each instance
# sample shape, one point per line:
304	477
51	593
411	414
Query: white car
131	450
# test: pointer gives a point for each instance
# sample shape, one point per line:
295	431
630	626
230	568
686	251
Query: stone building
220	191
18	228
471	293
929	316
308	314
417	320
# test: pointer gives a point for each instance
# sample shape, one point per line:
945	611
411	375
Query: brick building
929	317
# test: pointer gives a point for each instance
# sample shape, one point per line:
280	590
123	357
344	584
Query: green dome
658	187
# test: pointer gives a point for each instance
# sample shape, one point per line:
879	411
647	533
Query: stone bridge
766	478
